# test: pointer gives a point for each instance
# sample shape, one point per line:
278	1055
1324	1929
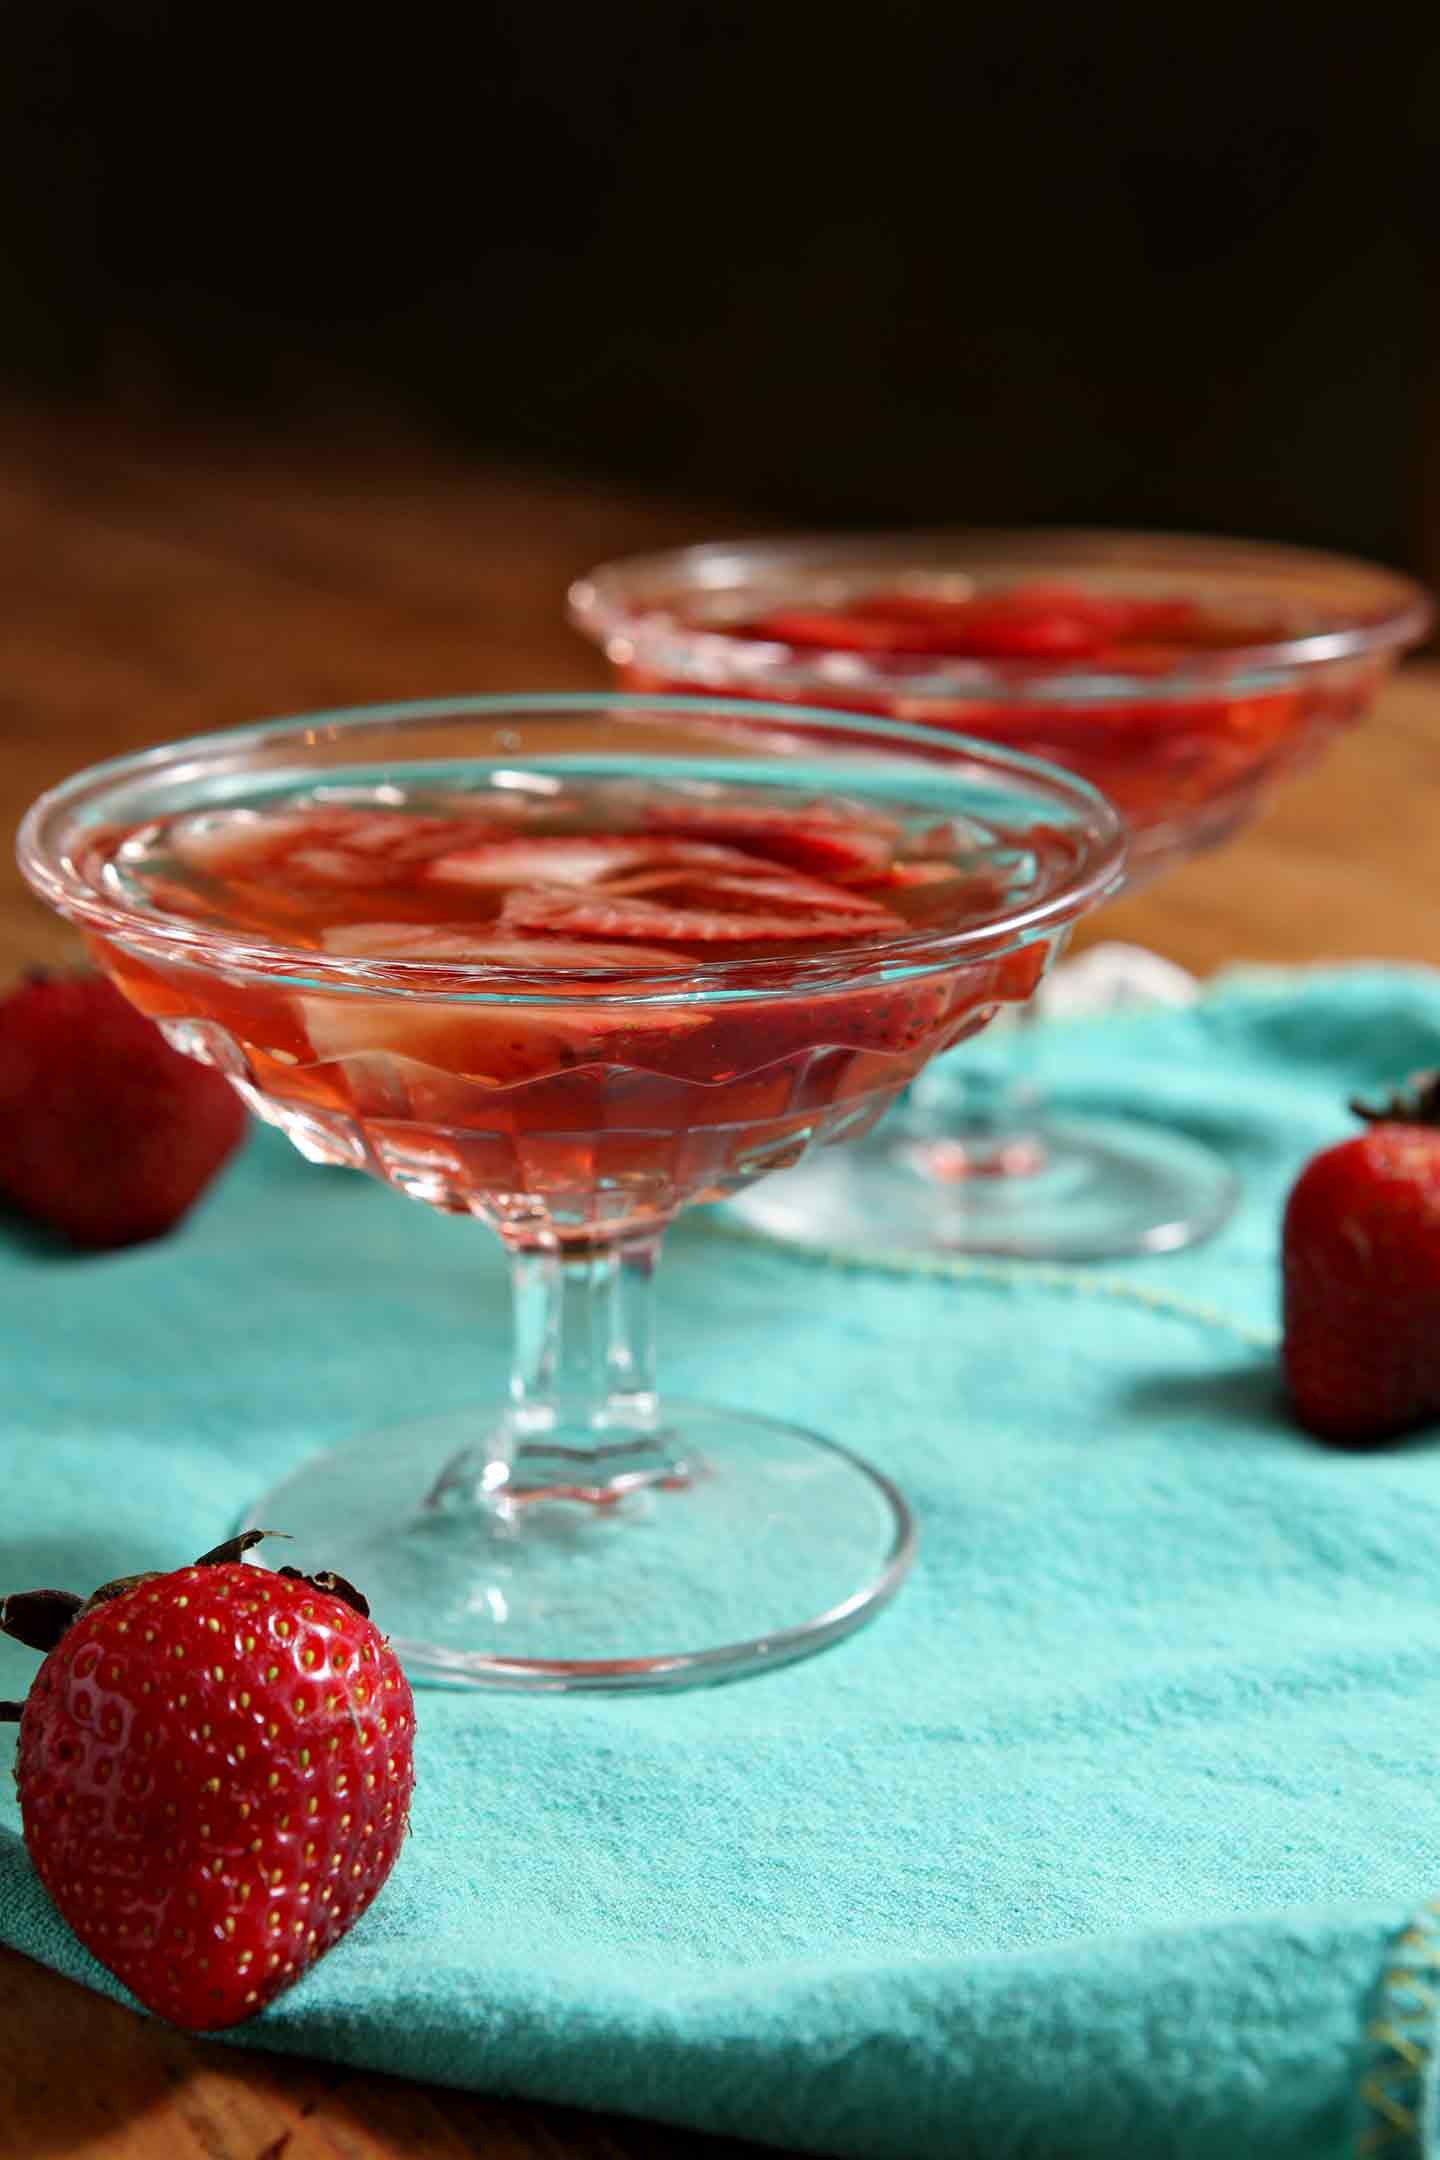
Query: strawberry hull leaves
214	1769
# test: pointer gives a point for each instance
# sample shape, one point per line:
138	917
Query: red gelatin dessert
1180	677
592	1086
567	963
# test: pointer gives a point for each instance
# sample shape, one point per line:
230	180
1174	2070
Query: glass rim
52	874
603	606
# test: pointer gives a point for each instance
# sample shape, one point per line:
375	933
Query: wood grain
156	585
82	2076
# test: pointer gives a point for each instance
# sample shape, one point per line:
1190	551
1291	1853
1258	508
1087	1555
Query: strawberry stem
333	1585
38	1618
1416	1103
235	1548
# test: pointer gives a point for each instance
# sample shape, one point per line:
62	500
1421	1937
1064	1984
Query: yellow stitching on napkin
1012	1274
1392	2091
1245	985
1411	2051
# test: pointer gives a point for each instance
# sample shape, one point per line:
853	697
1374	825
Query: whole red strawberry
106	1134
1362	1276
214	1771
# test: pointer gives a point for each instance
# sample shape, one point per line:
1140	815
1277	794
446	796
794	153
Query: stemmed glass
303	905
1183	677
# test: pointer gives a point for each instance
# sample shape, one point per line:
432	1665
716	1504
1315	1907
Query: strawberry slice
599	914
836	630
320	846
541	859
1145	621
983	888
659	886
828	842
403	1059
400	837
935	891
1003	628
759	881
326	866
375	849
1141	657
583	859
620	864
490	946
923	873
229	843
1010	627
1040	622
905	605
421	1057
1112	616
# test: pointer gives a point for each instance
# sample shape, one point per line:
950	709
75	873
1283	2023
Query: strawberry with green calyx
1361	1261
214	1769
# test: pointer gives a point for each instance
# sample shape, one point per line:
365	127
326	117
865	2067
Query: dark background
1022	264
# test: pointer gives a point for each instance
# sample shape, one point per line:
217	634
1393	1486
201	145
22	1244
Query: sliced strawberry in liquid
322	847
963	892
903	874
1025	622
541	859
403	837
1003	630
485	1045
837	630
237	843
489	945
820	841
759	882
599	914
488	1047
977	630
587	860
660	886
1145	621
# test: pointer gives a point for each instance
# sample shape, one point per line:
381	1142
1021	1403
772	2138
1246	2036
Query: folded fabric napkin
1113	1836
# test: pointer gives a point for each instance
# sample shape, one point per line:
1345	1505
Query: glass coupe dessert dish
569	964
1183	677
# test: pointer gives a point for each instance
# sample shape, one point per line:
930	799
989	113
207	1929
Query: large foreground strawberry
1362	1276
214	1769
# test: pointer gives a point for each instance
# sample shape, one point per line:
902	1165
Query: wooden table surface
160	583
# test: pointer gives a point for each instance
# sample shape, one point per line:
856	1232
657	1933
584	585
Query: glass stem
965	1120
584	1359
583	1420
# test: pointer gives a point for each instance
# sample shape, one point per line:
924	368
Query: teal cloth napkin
1114	1835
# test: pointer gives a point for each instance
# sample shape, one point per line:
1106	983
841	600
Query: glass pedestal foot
759	1543
1076	1189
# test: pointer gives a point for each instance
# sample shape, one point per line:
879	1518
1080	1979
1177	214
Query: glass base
1071	1189
761	1544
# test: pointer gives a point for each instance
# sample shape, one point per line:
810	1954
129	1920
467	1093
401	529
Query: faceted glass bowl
1184	748
1185	743
583	1533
